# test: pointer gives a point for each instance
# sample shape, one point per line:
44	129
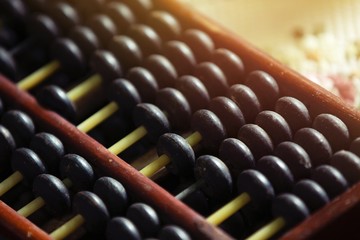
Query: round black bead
200	43
315	144
28	163
294	112
103	27
145	219
8	66
236	155
104	63
141	8
88	8
121	14
291	208
229	113
247	101
20	125
7	145
49	148
179	151
334	130
54	98
194	91
230	64
348	164
275	125
257	140
16	10
257	186
152	118
162	69
164	24
147	39
311	193
53	191
92	209
65	16
212	77
296	158
216	177
43	28
126	51
276	172
210	128
175	107
113	194
330	179
122	227
144	82
124	93
77	170
355	146
181	56
85	39
172	232
265	87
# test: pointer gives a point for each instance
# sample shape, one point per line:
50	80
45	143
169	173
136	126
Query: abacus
140	119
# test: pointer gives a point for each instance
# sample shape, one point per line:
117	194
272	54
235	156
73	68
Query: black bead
179	151
330	179
291	208
315	144
7	145
334	130
53	191
121	14
103	27
173	232
65	16
229	113
56	99
113	194
164	24
236	155
15	10
2	107
210	128
294	112
175	107
85	39
145	219
230	64
257	140
296	158
247	101
104	63
77	170
355	146
200	43
181	56
43	28
265	87
277	172
216	177
147	39
124	93
49	148
88	8
126	51
212	77
141	8
92	209
311	193
8	66
123	228
28	163
20	125
144	82
275	125
152	118
257	186
348	164
162	69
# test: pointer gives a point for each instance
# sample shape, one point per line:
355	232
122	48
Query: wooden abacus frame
331	221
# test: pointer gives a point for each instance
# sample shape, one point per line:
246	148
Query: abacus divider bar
84	87
268	230
67	228
189	190
229	209
38	76
10	182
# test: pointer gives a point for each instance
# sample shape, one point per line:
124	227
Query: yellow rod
10	182
155	166
38	76
85	87
194	138
128	140
67	182
67	228
31	207
269	230
98	117
229	209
